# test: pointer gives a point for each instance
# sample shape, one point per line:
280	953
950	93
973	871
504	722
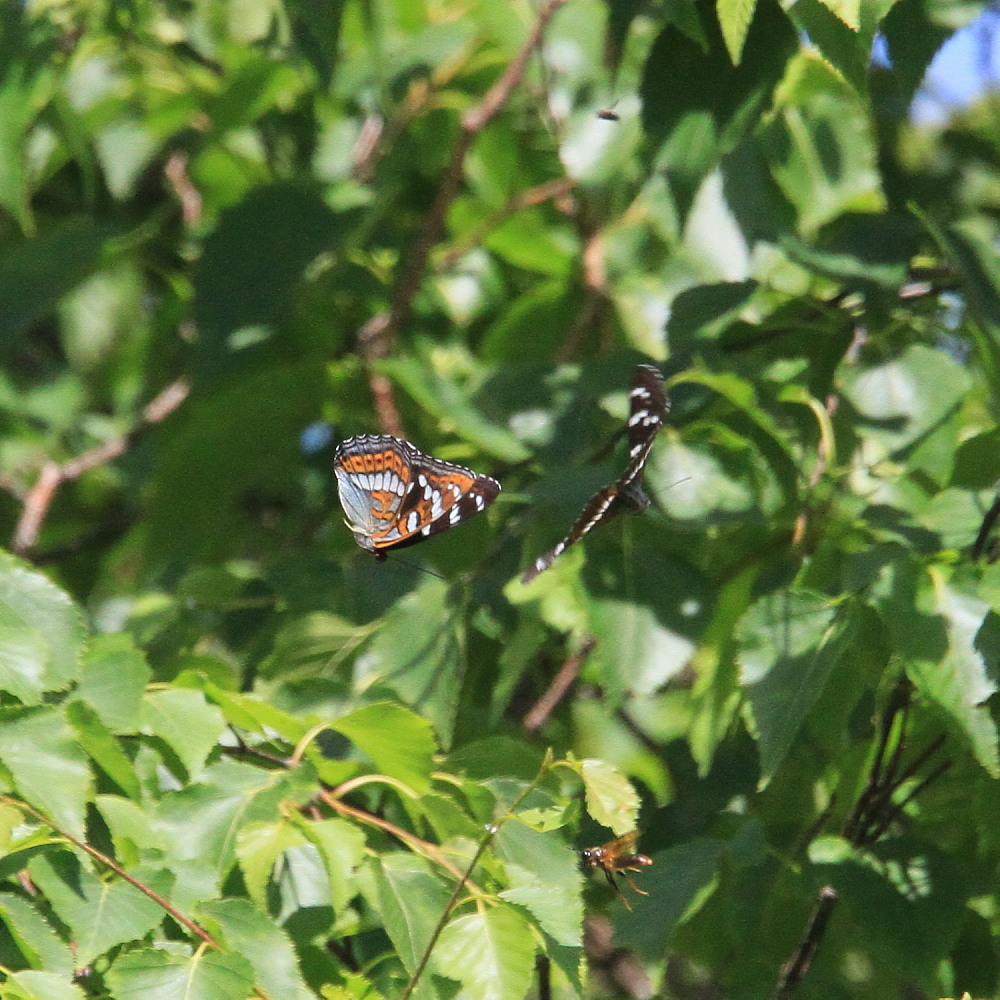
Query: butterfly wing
440	496
394	495
599	508
647	410
374	475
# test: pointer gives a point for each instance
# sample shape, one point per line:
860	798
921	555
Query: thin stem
815	930
491	831
539	713
118	870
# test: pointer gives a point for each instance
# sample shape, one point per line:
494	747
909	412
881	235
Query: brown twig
539	713
118	870
38	499
411	840
378	335
553	190
176	172
796	969
980	547
868	821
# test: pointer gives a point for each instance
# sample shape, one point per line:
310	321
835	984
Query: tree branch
377	336
38	499
539	713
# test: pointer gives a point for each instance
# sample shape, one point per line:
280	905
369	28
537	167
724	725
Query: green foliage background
240	758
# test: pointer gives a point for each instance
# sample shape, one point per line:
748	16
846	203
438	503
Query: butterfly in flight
394	495
617	858
648	407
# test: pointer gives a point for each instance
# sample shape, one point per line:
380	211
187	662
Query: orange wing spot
382	503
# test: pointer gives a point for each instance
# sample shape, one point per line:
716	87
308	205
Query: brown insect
616	858
608	115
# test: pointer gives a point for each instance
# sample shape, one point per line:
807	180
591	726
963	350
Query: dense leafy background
239	757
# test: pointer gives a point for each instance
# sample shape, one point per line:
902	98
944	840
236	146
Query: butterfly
648	407
394	495
616	858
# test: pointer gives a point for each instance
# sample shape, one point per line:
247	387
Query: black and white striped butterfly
648	408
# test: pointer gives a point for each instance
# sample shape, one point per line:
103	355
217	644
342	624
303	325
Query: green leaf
490	952
970	243
201	822
41	633
342	847
788	646
35	937
409	900
734	20
37	273
836	38
101	914
252	934
258	848
678	881
198	504
532	326
695	98
847	10
611	799
114	677
251	713
27	81
103	748
935	629
959	681
442	397
545	879
187	723
418	653
907	898
49	769
153	974
32	985
130	825
400	742
914	36
646	614
248	273
905	397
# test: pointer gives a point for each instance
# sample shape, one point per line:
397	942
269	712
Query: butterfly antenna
659	493
422	569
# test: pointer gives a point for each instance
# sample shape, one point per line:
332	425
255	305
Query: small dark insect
608	115
616	858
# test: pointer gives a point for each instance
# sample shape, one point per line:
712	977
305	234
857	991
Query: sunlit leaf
491	953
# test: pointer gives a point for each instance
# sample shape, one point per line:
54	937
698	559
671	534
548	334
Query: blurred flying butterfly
648	408
616	858
394	495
